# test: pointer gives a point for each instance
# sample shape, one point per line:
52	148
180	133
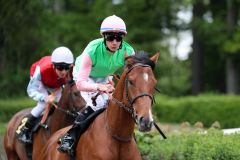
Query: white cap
113	23
62	55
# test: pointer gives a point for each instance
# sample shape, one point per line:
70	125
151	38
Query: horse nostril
140	119
145	120
145	123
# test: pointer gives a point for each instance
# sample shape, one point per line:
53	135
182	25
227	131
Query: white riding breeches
102	99
38	109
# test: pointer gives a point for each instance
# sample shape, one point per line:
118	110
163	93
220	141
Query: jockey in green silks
92	70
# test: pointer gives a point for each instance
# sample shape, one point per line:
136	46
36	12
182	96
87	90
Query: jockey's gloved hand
50	99
105	88
110	80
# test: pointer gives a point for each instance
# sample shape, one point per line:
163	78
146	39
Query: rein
68	112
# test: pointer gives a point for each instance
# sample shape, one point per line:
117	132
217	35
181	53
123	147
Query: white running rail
231	131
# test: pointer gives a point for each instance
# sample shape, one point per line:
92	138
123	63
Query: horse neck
119	121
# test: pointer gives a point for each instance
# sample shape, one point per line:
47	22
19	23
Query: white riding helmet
113	23
62	55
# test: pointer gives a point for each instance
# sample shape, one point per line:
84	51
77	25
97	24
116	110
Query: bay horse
69	104
111	135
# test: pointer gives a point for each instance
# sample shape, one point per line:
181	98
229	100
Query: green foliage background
32	29
207	108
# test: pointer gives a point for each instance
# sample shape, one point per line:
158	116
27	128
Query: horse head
71	99
139	87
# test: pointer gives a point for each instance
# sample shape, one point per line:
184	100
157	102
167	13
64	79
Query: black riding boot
24	129
68	141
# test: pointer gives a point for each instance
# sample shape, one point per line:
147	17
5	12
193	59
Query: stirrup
66	145
24	135
25	140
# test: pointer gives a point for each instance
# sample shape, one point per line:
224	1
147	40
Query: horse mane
140	57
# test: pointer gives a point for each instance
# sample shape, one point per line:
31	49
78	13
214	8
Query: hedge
190	146
204	108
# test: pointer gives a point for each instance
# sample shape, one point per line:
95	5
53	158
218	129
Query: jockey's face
62	74
113	45
62	70
113	40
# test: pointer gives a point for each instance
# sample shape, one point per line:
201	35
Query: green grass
20	103
9	107
2	128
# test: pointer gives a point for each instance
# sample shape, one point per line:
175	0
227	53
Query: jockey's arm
83	73
34	85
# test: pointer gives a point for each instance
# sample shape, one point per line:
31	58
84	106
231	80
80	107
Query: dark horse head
71	98
140	84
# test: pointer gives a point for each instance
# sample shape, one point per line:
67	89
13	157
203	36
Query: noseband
129	107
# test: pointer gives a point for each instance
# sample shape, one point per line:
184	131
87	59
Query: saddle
86	123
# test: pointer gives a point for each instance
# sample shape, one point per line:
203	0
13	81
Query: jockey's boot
68	141
24	129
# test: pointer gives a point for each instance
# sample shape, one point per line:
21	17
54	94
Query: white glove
105	88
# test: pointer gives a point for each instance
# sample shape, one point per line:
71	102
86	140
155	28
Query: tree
197	55
231	66
19	20
32	29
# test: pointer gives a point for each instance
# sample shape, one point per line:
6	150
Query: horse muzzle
145	124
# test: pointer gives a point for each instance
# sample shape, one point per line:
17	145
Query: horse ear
154	58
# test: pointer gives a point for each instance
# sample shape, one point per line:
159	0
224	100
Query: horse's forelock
141	57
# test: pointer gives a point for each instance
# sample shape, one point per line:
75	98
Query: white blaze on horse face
150	115
145	77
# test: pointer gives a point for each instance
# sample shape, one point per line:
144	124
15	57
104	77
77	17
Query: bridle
71	113
129	107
